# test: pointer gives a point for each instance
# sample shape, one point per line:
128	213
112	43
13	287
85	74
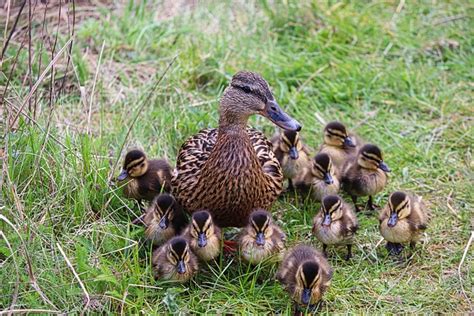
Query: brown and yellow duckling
365	174
402	220
164	219
339	144
305	273
321	179
261	238
146	177
231	170
175	261
292	154
335	224
204	236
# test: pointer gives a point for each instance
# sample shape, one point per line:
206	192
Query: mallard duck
365	174
261	238
402	220
292	154
175	261
164	219
305	273
321	179
335	224
232	170
204	236
147	177
338	143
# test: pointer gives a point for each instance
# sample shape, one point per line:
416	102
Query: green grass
375	68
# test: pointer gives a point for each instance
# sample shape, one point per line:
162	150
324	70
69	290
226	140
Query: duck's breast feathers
192	156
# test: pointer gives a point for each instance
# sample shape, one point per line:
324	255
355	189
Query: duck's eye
246	89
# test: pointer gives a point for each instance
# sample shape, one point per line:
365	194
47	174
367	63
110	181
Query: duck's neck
232	123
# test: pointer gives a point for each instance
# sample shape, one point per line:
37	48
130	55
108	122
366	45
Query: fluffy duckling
365	174
335	224
261	238
175	261
305	273
292	154
147	177
321	179
204	236
402	220
338	143
164	219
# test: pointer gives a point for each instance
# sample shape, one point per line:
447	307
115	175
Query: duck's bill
384	167
306	296
392	220
181	267
348	142
202	240
275	114
123	175
164	223
328	178
293	153
327	220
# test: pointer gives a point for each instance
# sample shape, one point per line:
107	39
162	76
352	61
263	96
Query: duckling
402	220
292	154
339	144
305	273
164	219
321	179
335	224
147	177
203	236
365	174
175	261
261	238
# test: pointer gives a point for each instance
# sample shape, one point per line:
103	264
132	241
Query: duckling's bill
123	175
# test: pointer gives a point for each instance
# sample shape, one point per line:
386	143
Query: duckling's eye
246	89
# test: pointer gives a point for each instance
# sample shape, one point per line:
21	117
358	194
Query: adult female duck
232	170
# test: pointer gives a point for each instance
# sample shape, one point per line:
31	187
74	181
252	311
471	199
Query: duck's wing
269	162
191	158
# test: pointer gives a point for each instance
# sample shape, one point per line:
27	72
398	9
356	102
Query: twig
88	298
12	31
466	249
32	277
89	116
40	79
30	68
70	46
17	283
40	59
448	199
7	20
138	112
450	19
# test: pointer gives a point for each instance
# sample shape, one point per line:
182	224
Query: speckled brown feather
228	175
